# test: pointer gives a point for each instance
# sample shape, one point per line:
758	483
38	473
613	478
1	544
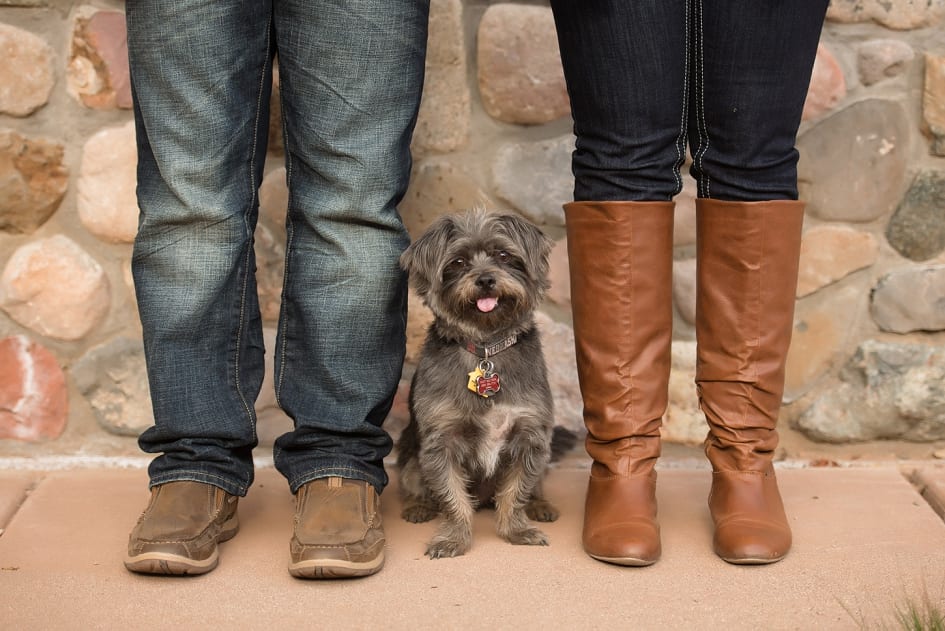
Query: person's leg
351	74
625	65
752	63
200	73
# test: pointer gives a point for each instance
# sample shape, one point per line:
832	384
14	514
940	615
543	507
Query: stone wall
867	366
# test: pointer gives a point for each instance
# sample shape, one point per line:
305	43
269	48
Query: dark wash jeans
351	73
646	77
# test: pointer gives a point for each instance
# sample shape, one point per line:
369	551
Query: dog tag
483	381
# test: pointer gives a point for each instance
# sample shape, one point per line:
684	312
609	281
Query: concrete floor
866	542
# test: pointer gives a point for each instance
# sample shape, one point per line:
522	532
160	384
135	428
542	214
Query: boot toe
634	543
751	543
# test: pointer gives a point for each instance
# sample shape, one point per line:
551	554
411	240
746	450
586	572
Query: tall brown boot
621	262
747	264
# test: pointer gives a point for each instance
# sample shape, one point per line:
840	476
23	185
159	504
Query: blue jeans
351	74
646	77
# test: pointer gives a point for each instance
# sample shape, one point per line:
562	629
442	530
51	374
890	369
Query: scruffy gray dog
481	408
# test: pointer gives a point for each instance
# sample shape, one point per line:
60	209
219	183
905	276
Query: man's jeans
727	76
350	75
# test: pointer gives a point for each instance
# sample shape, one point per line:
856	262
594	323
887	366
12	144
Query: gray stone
911	299
880	59
887	391
114	380
853	163
536	178
917	230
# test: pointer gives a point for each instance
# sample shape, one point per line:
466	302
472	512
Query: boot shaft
621	262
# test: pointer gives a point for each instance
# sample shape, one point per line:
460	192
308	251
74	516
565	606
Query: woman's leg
752	63
626	68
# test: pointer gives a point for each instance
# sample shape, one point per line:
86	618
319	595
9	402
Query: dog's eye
503	256
458	262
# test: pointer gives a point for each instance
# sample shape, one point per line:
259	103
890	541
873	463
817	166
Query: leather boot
621	264
747	264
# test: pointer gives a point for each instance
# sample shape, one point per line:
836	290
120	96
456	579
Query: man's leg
201	75
350	74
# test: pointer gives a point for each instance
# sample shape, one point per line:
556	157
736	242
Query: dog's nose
486	281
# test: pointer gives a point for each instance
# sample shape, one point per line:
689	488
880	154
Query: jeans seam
700	108
249	249
290	234
681	138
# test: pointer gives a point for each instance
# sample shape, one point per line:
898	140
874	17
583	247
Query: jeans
647	77
351	74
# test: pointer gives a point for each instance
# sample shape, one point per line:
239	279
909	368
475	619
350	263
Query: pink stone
55	288
98	66
106	201
26	74
107	33
33	397
827	85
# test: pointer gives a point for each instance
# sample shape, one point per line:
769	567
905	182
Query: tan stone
274	198
559	275
933	100
419	318
895	14
684	421
33	181
822	332
270	270
437	188
27	75
684	289
829	253
827	85
33	398
106	202
55	288
444	119
684	222
519	65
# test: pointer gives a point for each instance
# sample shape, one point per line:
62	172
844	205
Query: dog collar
488	351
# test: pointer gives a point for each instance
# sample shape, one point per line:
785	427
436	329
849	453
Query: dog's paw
527	537
541	510
418	513
440	548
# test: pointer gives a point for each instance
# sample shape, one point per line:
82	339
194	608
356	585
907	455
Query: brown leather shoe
179	531
338	531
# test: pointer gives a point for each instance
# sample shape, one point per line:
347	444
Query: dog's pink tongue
487	304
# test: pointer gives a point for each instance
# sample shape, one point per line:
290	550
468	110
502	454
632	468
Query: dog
481	409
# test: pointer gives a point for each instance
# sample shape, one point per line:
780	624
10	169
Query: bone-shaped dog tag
483	380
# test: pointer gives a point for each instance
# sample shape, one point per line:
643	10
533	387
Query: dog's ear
421	258
536	245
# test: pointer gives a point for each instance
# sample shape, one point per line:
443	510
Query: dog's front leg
528	456
448	485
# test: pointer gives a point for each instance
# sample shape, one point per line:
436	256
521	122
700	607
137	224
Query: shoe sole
625	561
167	564
329	569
